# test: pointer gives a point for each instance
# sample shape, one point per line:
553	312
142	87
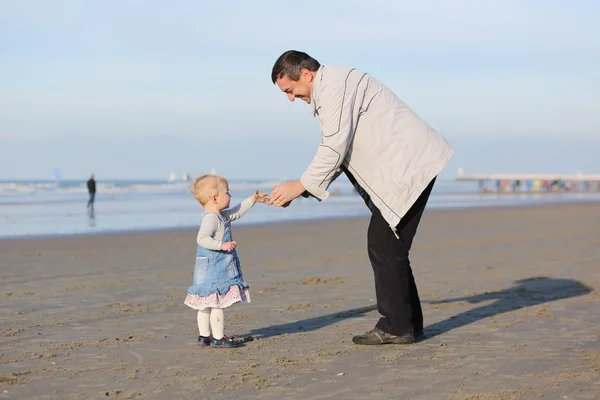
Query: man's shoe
419	334
377	336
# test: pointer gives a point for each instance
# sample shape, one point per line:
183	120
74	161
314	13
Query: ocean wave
24	188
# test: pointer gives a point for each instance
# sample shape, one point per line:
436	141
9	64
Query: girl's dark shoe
204	341
225	343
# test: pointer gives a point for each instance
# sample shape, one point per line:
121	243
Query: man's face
300	89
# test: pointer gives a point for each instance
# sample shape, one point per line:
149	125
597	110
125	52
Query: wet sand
509	296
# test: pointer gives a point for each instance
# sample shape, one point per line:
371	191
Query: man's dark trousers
395	287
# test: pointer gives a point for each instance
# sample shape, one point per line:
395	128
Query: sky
137	89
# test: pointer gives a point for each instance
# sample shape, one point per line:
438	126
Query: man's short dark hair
291	63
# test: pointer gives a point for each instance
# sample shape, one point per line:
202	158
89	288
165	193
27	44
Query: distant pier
532	182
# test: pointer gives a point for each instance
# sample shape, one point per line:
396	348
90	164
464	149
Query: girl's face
223	198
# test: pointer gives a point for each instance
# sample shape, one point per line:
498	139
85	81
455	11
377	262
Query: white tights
211	320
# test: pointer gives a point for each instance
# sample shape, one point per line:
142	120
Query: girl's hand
228	246
260	198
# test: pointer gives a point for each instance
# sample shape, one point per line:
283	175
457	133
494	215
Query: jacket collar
315	89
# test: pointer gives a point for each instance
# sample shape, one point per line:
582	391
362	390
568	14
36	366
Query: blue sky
140	88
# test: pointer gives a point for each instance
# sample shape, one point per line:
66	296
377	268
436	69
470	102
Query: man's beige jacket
388	149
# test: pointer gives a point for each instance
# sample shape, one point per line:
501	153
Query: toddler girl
217	281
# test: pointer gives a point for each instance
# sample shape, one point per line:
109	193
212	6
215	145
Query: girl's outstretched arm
245	206
239	210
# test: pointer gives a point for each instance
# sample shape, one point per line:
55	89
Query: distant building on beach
517	183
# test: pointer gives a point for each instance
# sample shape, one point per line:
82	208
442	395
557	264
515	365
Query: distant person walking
91	185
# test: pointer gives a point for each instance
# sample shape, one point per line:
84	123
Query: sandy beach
510	298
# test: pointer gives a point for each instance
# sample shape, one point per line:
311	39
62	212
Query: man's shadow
528	292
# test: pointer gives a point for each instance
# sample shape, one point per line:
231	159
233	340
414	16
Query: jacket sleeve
338	111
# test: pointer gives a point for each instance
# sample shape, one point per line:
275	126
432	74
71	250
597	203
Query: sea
59	207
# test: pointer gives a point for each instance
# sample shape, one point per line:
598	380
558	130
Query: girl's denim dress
216	270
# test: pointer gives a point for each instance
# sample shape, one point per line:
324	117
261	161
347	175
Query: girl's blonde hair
206	186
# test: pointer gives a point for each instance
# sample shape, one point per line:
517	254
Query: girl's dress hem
215	300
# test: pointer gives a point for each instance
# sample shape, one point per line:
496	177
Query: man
392	158
91	185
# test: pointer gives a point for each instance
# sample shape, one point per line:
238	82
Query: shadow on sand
310	324
526	293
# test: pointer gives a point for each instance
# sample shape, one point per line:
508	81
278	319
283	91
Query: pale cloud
422	26
138	67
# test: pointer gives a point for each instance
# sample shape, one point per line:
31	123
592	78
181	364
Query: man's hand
228	246
282	195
